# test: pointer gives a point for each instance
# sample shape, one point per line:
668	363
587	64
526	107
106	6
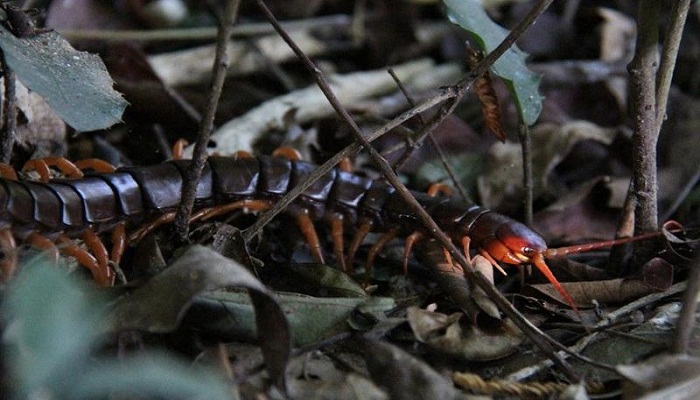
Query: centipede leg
42	167
118	243
7	172
84	258
41	242
246	205
439	188
288	153
98	249
140	233
309	231
465	246
386	237
362	231
9	253
337	232
179	149
433	190
96	165
411	240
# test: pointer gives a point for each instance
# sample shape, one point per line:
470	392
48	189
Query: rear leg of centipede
9	250
433	190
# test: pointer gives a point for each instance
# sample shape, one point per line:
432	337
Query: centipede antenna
580	248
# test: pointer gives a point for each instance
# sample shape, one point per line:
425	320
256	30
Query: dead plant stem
9	106
526	146
199	155
689	305
642	71
433	141
672	42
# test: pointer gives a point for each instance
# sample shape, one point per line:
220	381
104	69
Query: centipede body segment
100	202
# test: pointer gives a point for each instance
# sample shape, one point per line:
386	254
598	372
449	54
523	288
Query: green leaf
153	375
53	324
74	83
231	314
522	83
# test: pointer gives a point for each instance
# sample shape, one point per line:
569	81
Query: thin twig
672	42
689	304
7	141
534	333
199	156
441	155
642	71
188	34
526	145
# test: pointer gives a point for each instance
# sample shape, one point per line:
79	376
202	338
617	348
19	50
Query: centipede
50	214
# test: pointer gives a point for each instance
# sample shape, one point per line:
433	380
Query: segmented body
136	194
65	208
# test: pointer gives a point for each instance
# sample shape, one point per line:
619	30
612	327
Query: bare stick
7	141
642	71
199	156
686	319
526	145
441	155
534	333
678	15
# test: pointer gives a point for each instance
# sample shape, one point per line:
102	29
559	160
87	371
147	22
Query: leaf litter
321	331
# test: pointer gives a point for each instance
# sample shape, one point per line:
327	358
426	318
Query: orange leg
345	165
465	246
41	242
386	237
8	246
42	167
179	148
439	188
96	165
337	231
84	258
362	231
7	172
288	153
309	231
204	214
118	243
242	154
411	240
140	233
433	190
245	205
99	250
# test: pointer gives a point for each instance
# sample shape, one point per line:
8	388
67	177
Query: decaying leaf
230	314
403	376
663	377
160	304
550	144
445	334
483	86
74	83
318	377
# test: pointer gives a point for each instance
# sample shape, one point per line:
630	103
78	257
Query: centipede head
505	240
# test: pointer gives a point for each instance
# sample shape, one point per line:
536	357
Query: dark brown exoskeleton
58	210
